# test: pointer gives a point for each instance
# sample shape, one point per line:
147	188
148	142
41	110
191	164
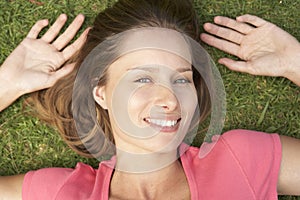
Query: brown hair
54	104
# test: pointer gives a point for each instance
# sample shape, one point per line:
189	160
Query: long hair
54	104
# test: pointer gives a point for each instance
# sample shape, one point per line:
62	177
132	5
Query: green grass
257	103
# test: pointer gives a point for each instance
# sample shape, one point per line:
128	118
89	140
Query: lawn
257	103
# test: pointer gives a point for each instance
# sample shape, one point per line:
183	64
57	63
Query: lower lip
165	129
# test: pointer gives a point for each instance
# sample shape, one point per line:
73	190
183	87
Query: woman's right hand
37	63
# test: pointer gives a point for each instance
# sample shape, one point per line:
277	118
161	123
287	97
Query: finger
221	44
55	28
69	34
239	66
73	48
227	34
233	24
251	19
36	28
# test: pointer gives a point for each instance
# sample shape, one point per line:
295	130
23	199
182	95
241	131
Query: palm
40	55
263	48
37	63
34	66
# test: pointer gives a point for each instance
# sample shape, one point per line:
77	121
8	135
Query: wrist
8	90
293	64
8	84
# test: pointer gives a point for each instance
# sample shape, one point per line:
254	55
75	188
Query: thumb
62	72
239	66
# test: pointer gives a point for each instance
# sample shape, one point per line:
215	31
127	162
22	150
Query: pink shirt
242	165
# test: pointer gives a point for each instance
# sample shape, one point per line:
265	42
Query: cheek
188	99
139	102
142	100
128	103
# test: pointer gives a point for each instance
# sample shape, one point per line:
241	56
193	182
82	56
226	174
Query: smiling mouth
164	125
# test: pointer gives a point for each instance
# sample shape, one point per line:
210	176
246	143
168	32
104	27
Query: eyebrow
156	69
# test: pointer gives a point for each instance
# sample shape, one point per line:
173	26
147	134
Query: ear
99	96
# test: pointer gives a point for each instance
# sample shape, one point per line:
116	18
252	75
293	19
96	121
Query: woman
228	165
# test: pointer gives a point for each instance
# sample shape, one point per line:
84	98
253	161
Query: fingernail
207	26
238	18
63	16
217	19
221	61
45	22
202	36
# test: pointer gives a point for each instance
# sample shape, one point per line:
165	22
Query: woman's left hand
37	63
264	48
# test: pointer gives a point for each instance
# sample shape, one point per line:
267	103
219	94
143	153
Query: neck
145	162
149	185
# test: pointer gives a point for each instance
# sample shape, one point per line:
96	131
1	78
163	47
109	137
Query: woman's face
151	99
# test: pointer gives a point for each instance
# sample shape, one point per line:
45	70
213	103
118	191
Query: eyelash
142	80
149	80
182	81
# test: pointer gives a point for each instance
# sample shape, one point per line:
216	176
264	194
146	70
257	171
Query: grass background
257	103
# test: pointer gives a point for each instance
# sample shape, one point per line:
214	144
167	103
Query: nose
165	98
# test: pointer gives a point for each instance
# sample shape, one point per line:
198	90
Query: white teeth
163	123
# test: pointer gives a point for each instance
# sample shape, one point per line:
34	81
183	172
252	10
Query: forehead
155	38
148	46
148	57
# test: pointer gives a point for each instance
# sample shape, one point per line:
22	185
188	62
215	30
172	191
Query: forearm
11	187
8	91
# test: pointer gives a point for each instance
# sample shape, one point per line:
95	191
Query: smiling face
151	99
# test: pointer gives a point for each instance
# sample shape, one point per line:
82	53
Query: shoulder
47	183
247	134
246	160
251	151
250	148
241	140
259	156
56	175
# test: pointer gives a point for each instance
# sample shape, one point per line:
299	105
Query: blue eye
143	80
182	81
